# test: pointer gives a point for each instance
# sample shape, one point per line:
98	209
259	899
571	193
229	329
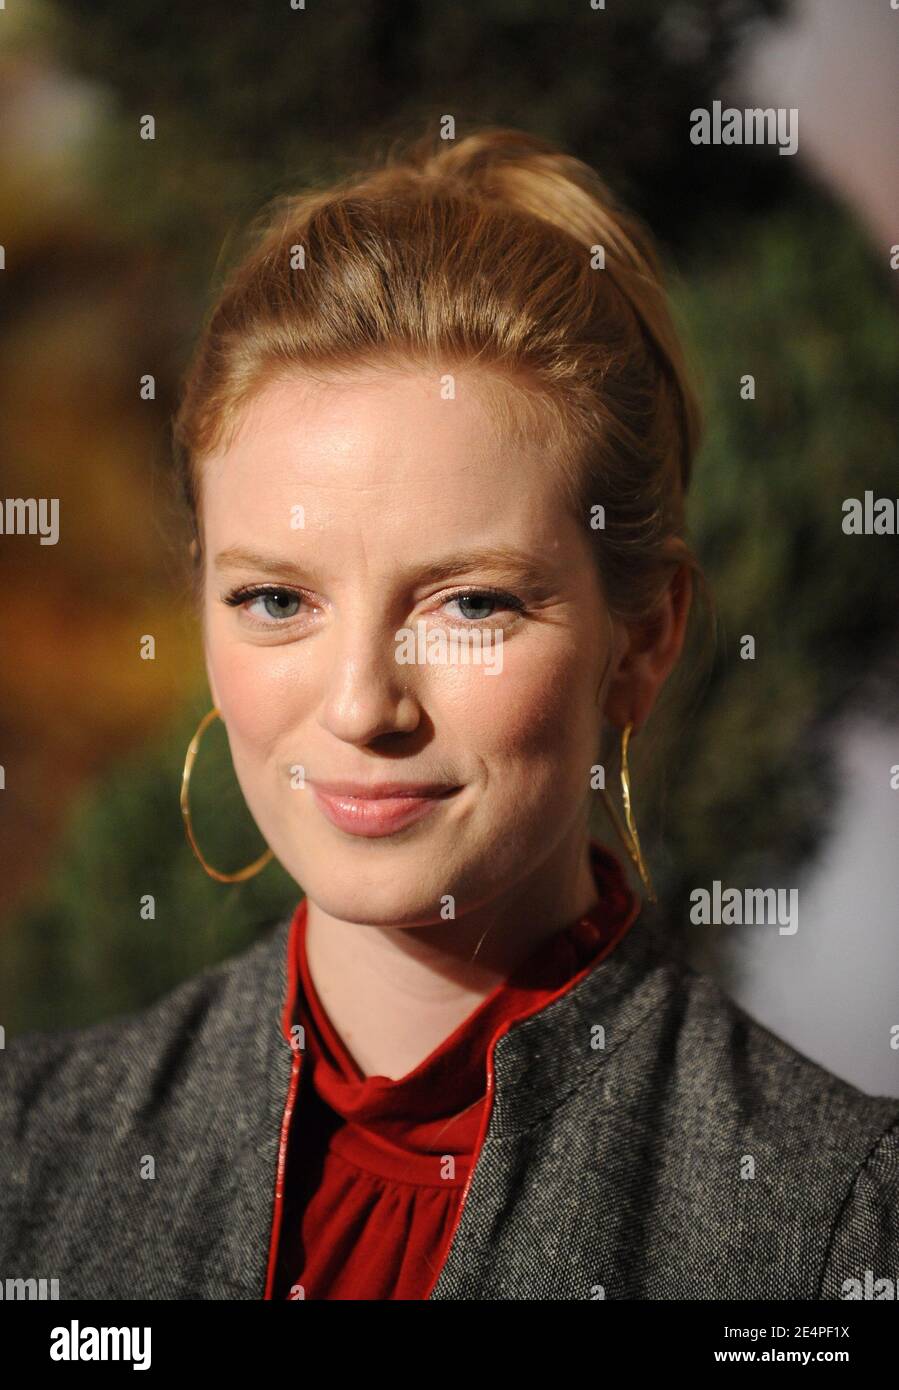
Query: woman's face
369	507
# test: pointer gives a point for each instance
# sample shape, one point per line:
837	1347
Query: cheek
259	692
539	707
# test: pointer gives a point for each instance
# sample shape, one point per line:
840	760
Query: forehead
387	450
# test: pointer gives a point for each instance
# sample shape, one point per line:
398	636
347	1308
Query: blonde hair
485	252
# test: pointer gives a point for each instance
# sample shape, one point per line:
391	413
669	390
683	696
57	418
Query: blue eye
280	600
276	602
485	598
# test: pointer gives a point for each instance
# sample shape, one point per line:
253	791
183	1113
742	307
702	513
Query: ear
651	649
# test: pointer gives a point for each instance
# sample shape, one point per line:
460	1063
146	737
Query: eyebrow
520	563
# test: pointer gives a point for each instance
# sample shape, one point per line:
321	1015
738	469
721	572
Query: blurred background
772	772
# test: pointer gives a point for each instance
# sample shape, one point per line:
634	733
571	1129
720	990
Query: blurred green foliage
744	788
84	949
250	99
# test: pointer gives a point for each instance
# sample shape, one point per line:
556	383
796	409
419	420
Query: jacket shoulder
759	1068
680	1020
696	1153
828	1150
135	1154
50	1079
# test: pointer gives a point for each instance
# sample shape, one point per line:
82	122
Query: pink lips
378	810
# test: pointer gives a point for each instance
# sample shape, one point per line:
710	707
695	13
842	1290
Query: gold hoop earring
241	874
630	839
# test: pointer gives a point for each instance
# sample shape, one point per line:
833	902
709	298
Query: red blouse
382	1165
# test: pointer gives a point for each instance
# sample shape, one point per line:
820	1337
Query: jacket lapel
536	1064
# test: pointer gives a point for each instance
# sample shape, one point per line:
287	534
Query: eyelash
238	597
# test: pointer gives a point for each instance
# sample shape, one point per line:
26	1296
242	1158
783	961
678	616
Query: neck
394	994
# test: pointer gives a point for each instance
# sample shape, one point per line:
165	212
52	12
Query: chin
385	905
390	880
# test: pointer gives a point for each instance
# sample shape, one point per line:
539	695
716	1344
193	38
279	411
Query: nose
368	692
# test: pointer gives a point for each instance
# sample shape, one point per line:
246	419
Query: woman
435	443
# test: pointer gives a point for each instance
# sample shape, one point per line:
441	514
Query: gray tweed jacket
693	1155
